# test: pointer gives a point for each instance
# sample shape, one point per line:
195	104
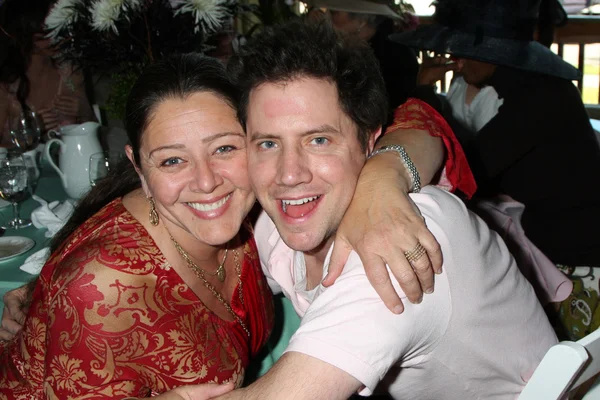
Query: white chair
565	367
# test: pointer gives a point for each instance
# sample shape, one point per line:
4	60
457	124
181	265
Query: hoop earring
152	215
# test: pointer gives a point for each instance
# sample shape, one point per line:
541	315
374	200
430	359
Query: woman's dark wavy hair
20	20
314	49
176	77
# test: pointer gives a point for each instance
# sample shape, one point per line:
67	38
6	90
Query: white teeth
285	203
299	201
211	206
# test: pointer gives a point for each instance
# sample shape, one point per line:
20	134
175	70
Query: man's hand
197	392
380	225
15	309
433	69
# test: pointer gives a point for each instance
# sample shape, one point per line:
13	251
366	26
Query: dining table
49	187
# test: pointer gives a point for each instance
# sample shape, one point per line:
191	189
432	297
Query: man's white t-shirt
480	335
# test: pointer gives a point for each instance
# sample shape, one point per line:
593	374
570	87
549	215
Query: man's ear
129	153
372	140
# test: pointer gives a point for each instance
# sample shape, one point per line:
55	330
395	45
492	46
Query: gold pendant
221	273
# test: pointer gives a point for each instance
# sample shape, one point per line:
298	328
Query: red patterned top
416	114
110	318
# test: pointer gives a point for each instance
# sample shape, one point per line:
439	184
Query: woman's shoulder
111	240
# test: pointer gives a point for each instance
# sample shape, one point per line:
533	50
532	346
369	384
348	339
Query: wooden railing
582	30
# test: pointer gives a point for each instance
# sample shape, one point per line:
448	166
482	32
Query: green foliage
121	84
270	12
135	34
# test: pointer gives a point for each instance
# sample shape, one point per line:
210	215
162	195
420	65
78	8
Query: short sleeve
416	114
349	327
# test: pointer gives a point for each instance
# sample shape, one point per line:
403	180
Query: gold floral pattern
110	319
65	373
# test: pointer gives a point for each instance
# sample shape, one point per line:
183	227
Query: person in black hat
539	148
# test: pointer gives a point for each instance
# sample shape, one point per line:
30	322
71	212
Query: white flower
105	13
60	16
209	14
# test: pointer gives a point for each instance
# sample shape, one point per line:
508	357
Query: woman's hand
67	106
382	223
15	309
433	69
50	119
64	111
197	392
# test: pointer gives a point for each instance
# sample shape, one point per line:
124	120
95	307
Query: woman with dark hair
30	76
160	287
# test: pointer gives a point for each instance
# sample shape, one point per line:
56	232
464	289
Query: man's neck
314	261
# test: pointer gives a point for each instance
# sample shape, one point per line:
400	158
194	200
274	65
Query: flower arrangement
120	37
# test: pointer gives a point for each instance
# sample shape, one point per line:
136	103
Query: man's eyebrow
319	129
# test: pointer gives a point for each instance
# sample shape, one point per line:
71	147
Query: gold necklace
220	273
200	274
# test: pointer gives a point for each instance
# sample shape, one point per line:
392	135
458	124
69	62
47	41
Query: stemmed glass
24	127
14	186
101	163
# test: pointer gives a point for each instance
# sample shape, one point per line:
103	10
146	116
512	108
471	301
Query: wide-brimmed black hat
494	31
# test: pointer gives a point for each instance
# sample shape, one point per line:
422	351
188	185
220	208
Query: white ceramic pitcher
77	144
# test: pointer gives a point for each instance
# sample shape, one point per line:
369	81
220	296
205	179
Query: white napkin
34	263
52	216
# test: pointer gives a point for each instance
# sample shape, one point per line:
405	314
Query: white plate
4	203
11	246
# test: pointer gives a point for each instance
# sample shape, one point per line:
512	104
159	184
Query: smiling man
307	159
313	105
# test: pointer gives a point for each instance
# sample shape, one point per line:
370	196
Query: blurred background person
374	21
30	76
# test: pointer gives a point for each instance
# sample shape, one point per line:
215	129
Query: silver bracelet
408	164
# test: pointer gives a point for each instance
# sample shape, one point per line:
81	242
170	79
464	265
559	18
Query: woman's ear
372	140
129	153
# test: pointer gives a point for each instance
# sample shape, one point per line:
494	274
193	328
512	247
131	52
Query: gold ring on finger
415	253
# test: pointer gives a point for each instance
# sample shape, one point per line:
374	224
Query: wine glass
14	186
101	163
24	127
